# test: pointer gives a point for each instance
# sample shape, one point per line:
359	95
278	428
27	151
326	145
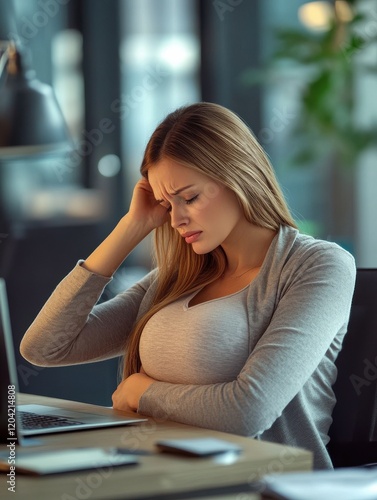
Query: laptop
33	419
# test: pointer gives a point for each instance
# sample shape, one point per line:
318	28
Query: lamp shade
31	122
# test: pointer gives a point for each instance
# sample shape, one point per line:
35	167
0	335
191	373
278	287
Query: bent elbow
251	421
31	353
249	428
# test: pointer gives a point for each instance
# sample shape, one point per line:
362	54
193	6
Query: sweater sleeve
72	328
312	309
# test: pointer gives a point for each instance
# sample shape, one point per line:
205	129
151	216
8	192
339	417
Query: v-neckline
192	295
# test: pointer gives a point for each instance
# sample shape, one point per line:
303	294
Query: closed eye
191	200
187	202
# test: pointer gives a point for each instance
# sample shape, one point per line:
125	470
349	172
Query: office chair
353	433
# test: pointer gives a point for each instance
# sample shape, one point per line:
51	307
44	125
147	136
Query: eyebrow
174	193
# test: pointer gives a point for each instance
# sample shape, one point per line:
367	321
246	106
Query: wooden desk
159	475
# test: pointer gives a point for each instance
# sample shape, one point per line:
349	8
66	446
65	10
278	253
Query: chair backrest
353	433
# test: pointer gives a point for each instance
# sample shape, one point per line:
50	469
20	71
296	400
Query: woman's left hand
128	393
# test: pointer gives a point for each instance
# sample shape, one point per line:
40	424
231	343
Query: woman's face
203	211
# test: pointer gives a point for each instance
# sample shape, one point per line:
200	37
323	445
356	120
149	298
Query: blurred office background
117	68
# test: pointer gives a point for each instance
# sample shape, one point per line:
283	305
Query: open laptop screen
64	420
8	373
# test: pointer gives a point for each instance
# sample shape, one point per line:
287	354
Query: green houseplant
331	59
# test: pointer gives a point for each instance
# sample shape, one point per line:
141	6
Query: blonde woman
238	326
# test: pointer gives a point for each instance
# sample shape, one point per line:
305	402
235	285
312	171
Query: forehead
168	176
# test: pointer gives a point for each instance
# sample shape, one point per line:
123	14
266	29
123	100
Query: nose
178	216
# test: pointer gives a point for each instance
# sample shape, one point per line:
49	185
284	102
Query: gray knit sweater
298	308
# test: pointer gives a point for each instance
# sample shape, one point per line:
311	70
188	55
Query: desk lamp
31	122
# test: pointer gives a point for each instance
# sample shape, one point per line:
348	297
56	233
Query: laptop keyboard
35	421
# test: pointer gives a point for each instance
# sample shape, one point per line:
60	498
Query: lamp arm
3	62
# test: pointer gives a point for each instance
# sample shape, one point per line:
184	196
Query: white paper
50	462
339	484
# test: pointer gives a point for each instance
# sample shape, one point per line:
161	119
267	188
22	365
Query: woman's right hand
144	215
145	209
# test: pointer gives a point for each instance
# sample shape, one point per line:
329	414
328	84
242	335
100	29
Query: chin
202	250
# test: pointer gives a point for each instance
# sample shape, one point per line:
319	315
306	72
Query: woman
238	326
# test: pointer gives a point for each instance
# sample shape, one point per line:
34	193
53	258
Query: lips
191	236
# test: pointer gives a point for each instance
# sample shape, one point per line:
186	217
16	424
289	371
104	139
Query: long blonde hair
214	141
